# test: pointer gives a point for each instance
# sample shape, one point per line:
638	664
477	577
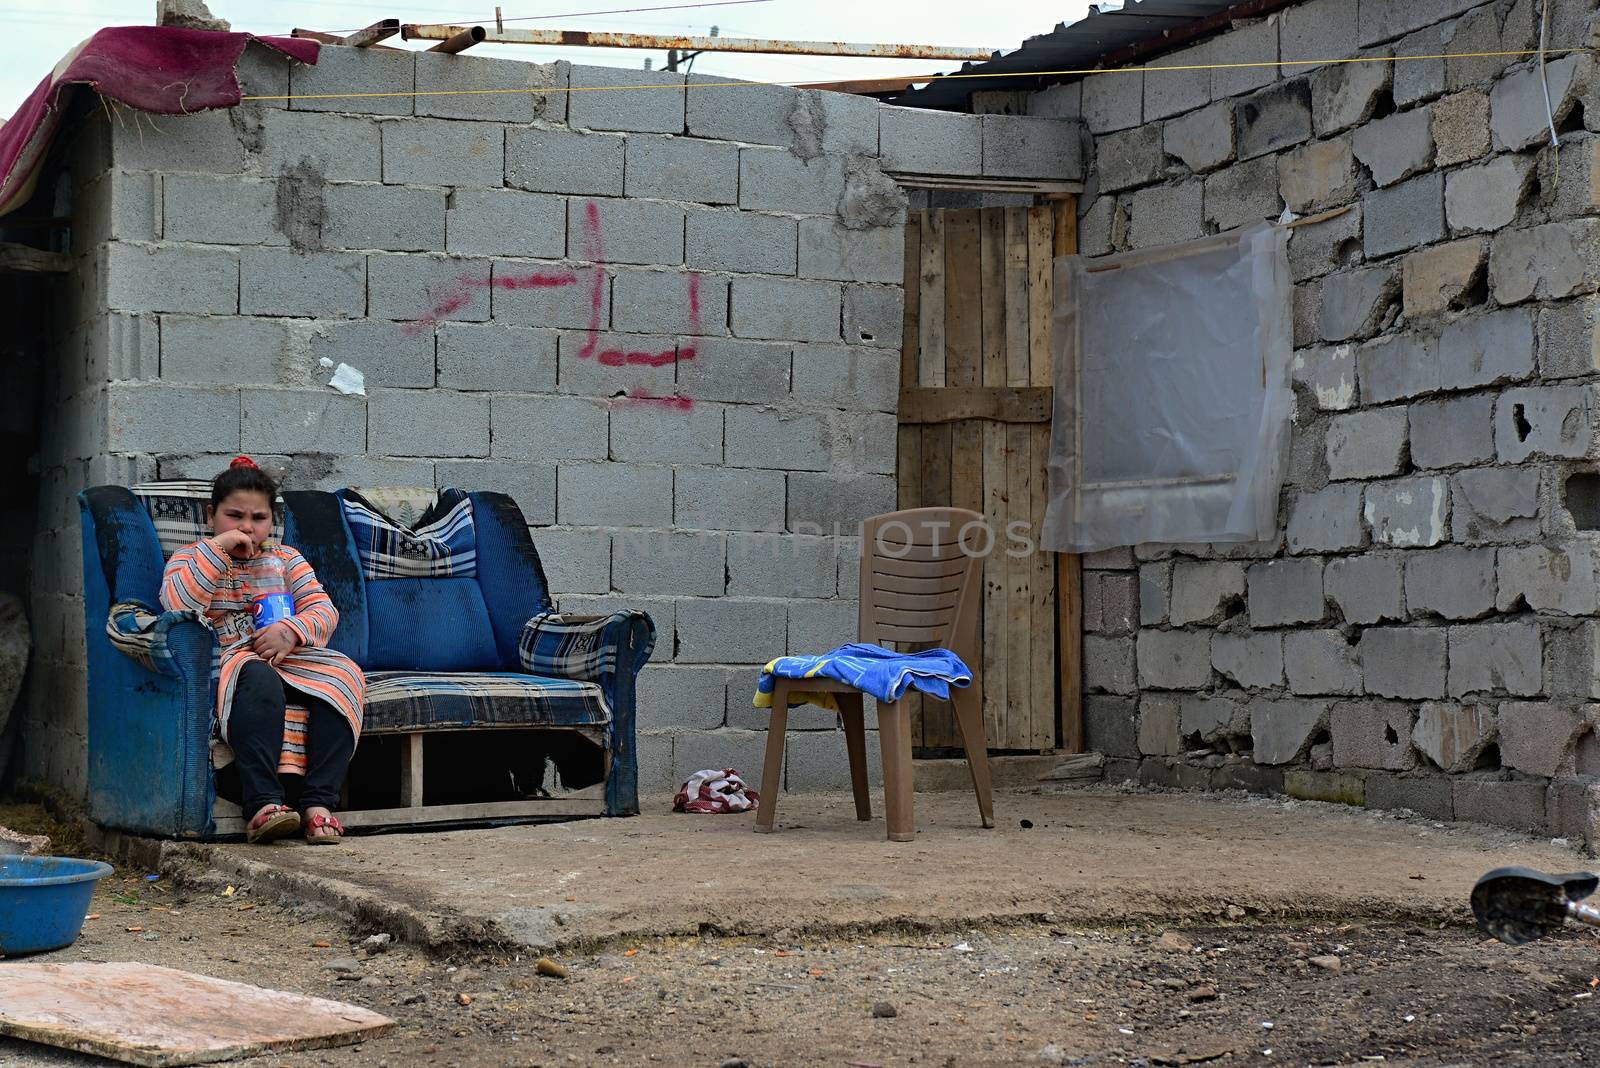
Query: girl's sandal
320	822
274	821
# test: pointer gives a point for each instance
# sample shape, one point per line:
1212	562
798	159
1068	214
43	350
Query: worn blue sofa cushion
431	624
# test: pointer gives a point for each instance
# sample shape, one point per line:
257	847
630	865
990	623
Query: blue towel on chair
883	673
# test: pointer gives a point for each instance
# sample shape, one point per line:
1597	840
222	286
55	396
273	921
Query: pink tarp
163	69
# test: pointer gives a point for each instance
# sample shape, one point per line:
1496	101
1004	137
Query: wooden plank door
979	296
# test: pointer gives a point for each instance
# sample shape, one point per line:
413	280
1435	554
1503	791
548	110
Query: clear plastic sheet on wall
1172	399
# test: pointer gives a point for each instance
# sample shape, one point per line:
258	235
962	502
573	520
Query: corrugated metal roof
1068	47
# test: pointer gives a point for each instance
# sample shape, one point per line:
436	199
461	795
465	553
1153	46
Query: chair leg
894	739
968	703
772	769
852	713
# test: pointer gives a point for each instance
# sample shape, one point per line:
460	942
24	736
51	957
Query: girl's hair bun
243	461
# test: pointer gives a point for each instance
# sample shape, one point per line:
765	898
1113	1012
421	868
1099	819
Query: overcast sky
38	33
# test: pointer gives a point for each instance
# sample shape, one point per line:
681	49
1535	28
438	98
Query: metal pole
378	31
658	42
460	42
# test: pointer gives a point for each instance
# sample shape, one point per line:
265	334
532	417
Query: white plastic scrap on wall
1172	399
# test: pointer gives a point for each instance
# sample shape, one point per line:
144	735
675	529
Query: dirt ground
1032	995
1334	991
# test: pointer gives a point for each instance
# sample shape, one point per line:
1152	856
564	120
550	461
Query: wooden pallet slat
1041	289
930	320
1016	266
1001	404
908	467
963	316
1041	601
1017	730
995	689
1069	566
992	269
910	336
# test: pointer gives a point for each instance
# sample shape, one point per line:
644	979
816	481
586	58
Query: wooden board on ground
143	1014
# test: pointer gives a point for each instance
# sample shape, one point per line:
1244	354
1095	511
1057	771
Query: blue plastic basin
43	901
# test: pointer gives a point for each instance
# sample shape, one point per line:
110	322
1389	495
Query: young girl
263	670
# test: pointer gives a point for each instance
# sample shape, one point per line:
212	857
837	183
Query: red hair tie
243	461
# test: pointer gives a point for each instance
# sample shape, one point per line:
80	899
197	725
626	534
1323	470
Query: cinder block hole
1581	495
1573	123
864	335
1353	636
1519	419
1391	736
1489	759
1383	105
1348	252
1322	737
1475	295
1233	606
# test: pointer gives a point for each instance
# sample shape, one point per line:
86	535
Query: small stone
415	999
1235	912
343	965
151	936
372	980
884	1011
734	1062
1328	963
377	943
464	999
1176	942
546	966
1203	993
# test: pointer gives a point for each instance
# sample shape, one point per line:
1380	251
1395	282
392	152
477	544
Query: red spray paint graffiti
459	293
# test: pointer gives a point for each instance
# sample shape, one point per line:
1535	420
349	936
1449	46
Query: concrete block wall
1422	635
666	320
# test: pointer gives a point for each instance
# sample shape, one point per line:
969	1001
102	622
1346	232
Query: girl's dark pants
255	731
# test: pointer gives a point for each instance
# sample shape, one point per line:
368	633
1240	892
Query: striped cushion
408	701
178	510
441	544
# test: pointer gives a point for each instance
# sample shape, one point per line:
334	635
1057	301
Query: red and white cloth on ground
715	791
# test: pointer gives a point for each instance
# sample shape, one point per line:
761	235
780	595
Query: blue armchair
448	659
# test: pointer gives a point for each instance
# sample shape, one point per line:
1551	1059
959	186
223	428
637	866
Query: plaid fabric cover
178	510
442	544
552	645
406	505
138	631
406	701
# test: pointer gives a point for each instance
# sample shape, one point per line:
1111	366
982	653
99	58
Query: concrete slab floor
1092	857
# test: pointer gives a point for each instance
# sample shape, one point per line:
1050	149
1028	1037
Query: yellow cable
929	78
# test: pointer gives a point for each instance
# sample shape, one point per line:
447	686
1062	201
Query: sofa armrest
610	650
587	648
138	632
